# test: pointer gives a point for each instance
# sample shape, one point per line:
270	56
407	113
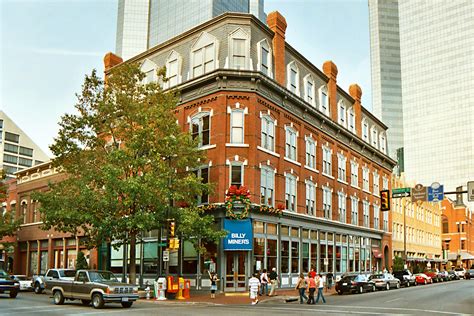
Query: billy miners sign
239	236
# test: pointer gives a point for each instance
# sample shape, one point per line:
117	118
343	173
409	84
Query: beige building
423	229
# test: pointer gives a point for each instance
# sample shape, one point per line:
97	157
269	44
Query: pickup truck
98	287
52	274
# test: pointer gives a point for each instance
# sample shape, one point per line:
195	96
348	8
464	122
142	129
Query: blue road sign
435	192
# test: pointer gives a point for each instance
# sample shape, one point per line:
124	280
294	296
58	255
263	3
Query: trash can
160	289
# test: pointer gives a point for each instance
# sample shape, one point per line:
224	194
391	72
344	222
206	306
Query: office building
142	24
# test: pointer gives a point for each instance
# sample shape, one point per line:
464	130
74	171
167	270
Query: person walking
312	273
264	283
329	280
320	282
214	280
311	283
273	281
301	288
254	285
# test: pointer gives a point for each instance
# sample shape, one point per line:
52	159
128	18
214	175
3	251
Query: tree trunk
133	258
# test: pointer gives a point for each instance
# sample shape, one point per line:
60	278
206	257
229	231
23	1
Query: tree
8	224
126	161
81	262
398	264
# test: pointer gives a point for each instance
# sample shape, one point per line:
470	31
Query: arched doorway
386	261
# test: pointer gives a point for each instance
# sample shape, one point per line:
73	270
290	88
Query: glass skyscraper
142	24
436	49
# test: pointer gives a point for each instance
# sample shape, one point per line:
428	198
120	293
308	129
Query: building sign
419	193
435	192
239	235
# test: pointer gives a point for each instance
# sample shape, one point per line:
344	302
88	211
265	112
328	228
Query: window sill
311	169
342	181
366	191
292	161
31	224
328	176
268	151
237	145
355	187
207	147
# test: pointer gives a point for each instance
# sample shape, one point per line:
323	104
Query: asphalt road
451	298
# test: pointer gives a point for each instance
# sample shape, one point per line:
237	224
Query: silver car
385	281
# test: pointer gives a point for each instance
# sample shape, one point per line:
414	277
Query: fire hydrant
180	289
147	290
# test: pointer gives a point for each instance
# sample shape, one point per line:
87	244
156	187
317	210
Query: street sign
401	193
166	255
470	191
435	192
162	244
418	193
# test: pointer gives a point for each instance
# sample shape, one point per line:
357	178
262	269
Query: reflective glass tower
142	24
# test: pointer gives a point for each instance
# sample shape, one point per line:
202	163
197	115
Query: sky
48	46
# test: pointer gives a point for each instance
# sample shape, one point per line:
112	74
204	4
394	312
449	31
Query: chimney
356	93
277	24
330	70
110	60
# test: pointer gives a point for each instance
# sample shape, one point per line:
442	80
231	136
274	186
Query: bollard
187	289
180	289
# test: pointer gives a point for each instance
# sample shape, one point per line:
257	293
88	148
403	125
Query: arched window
173	69
445	225
375	136
201	128
267	186
341	113
264	58
365	130
268	132
324	100
309	90
239	49
293	80
351	120
149	69
383	143
204	55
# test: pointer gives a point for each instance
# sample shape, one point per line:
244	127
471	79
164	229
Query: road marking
403	309
43	310
316	310
393	300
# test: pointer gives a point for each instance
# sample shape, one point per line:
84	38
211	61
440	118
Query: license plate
124	299
344	283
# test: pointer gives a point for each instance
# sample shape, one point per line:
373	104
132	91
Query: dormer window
383	143
351	120
309	90
293	78
341	116
365	130
239	49
204	55
324	100
173	69
264	58
375	136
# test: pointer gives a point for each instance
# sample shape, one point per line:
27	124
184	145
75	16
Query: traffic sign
166	255
401	193
435	192
470	191
418	193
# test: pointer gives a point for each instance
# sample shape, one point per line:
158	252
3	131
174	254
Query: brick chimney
356	93
110	60
277	24
330	70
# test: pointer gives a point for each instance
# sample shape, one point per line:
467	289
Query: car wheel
58	298
13	294
408	284
387	286
127	304
85	302
398	285
426	282
339	292
97	300
38	289
374	288
361	290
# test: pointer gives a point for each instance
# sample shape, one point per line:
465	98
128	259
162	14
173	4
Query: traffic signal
171	228
176	243
385	200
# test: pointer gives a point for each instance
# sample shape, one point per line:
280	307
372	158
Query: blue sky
47	46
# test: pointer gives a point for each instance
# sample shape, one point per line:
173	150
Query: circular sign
435	185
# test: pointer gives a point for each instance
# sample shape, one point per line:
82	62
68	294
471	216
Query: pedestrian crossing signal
385	200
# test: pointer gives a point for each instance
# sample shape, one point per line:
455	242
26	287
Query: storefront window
330	236
285	256
258	227
351	259
33	262
271	229
295	256
330	256
322	254
338	259
322	236
190	258
314	256
314	235
306	257
44	262
357	259
294	232
259	253
344	239
71	258
58	259
344	259
305	233
271	253
209	259
284	230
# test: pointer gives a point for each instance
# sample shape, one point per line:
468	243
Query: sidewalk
239	297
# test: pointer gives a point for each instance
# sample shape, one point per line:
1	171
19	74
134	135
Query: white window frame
374	136
365	130
291	143
267	186
342	206
199	174
199	117
341	167
239	34
351	120
366	213
384	183
173	57
235	129
327	161
376	184
354	210
309	90
310	157
264	45
342	113
376	216
293	67
385	221
310	198
327	202
149	69
267	135
365	179
383	143
290	192
354	174
204	42
242	170
324	99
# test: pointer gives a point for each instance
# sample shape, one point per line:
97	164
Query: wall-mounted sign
239	235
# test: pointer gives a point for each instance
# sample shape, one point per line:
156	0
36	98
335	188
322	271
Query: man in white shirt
254	285
322	280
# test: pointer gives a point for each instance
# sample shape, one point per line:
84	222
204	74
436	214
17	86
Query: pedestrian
311	283
273	281
301	288
254	286
329	281
320	283
312	273
214	279
264	283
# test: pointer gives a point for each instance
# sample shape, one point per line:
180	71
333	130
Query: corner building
272	121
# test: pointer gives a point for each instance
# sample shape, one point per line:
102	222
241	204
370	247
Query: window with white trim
200	128
203	60
375	136
324	100
383	143
327	168
341	167
327	202
203	173
293	78
351	120
290	192
365	178
309	90
310	153
376	190
365	130
290	143
173	65
264	58
236	173
341	113
267	186
385	221
268	133
354	211
376	217
341	198
310	198
237	126
354	174
365	210
238	53
384	183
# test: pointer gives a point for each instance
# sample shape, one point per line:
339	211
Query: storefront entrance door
236	271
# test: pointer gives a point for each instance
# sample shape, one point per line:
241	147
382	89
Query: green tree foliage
398	264
126	159
81	262
8	224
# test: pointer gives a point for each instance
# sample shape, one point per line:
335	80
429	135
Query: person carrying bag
301	288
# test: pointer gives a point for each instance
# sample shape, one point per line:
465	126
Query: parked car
406	277
444	276
469	274
433	274
25	282
98	287
8	285
460	272
355	283
58	274
422	278
385	281
453	275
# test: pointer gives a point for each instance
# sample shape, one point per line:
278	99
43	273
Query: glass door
236	271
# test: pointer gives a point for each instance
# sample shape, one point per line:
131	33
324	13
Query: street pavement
449	298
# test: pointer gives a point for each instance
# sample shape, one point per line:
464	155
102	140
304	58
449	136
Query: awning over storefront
376	253
464	256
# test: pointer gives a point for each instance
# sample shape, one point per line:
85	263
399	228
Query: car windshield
376	276
102	276
360	278
3	275
349	278
67	273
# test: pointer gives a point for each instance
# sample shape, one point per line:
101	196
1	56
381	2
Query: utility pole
405	231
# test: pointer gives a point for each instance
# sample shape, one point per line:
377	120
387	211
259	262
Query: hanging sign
239	235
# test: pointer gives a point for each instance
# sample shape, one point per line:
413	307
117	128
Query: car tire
361	289
86	302
374	288
37	288
340	292
58	298
97	300
398	285
13	294
127	304
408	284
387	286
